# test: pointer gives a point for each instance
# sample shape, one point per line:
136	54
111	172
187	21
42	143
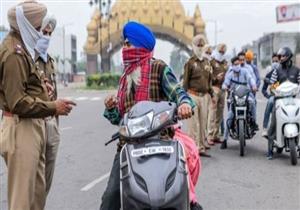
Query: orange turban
33	11
249	55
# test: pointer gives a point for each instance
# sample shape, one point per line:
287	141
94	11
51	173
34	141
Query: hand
185	111
63	106
213	100
254	89
111	102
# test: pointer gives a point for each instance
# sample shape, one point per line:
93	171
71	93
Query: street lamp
216	31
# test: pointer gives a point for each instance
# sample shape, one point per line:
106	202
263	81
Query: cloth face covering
135	59
29	34
42	47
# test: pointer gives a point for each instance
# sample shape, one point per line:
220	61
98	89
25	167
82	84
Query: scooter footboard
153	175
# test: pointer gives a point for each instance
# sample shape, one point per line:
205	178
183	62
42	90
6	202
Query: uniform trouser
23	144
268	111
53	139
111	197
198	122
230	116
216	113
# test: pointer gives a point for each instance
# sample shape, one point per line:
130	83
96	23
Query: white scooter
287	119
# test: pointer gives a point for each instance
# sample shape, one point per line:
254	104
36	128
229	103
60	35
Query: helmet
285	52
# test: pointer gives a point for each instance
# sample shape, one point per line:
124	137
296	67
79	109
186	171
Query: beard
133	79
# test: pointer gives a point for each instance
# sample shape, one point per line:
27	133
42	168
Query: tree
177	60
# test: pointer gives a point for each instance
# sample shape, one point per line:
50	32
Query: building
3	33
264	47
63	48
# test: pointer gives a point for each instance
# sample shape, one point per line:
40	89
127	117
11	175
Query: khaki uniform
216	110
52	131
197	81
25	103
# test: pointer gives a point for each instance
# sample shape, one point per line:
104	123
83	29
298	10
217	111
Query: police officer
25	104
197	82
286	71
46	65
219	69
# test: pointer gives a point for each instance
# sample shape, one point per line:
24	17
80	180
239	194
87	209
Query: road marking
95	99
93	183
65	128
81	98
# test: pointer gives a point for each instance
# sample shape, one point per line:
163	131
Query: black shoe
196	206
224	144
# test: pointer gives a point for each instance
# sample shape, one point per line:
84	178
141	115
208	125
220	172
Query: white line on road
65	128
81	98
93	183
95	99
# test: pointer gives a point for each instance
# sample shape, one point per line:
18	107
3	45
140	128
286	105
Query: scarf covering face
33	11
135	59
29	34
218	56
198	51
42	46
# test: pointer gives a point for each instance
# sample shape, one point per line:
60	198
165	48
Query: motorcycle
242	126
153	172
287	114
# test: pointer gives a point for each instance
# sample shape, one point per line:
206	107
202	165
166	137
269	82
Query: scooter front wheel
293	151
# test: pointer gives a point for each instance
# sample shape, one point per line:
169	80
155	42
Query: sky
239	22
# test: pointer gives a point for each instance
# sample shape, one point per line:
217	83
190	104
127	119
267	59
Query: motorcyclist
238	76
144	78
286	71
267	81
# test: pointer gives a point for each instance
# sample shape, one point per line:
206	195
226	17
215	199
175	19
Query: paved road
227	181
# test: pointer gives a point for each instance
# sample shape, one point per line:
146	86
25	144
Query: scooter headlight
140	125
160	119
240	101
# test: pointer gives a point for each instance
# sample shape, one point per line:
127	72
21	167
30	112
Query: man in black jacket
286	71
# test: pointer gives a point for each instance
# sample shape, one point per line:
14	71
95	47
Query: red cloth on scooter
193	160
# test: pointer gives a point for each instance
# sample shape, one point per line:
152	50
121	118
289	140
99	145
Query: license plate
152	151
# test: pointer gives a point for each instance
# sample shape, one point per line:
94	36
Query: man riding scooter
238	76
286	71
144	79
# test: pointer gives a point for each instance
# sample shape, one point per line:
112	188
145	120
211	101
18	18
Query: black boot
224	144
196	206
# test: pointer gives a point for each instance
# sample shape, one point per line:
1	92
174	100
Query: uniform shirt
22	91
218	68
198	75
48	70
243	77
172	90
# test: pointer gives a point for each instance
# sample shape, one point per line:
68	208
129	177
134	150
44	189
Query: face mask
275	65
236	69
205	55
242	64
218	56
198	51
42	47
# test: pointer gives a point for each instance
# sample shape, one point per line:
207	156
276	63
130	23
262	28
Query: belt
195	93
7	114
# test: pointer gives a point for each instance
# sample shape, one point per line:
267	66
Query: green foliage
265	63
103	81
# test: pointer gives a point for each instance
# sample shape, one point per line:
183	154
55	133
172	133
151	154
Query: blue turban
139	35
